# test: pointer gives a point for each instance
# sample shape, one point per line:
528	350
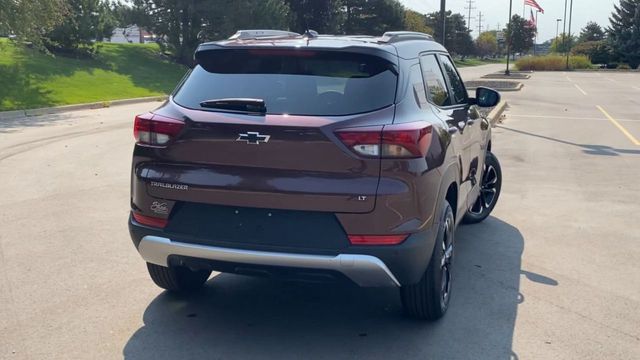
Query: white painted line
579	88
637	88
613	81
554	117
568	79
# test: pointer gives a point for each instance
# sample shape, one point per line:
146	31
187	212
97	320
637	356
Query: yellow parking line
579	88
620	127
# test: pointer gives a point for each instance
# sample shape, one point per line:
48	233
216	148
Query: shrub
624	67
552	63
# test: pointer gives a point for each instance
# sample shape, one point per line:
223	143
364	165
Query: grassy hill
30	79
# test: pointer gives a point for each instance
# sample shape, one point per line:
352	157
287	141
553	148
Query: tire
177	278
489	191
429	298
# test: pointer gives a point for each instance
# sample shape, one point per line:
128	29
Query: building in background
132	34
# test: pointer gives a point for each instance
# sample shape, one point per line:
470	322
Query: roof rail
257	34
397	36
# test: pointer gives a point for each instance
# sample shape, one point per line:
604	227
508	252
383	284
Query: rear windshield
296	82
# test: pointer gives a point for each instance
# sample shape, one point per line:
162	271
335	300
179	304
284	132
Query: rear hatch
285	155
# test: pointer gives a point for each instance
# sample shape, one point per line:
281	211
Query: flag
534	4
532	19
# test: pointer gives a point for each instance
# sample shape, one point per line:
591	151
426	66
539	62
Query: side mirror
486	97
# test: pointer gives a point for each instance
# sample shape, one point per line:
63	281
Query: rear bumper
394	265
364	270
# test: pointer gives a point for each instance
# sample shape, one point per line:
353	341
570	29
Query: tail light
156	130
408	140
150	220
377	239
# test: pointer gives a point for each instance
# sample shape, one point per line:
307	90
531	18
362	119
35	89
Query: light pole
506	72
443	18
569	35
557	26
564	24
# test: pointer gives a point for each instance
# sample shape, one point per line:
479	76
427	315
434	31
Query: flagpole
509	39
535	42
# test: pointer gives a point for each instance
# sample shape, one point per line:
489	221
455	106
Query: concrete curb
494	115
9	115
517	88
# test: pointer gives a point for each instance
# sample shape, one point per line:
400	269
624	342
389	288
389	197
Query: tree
520	33
372	17
183	24
563	43
225	17
487	44
624	32
31	19
599	52
323	16
591	32
457	36
87	21
414	21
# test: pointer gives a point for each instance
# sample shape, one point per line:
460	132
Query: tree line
61	26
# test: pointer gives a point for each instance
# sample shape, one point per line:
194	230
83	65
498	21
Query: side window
436	86
457	87
417	86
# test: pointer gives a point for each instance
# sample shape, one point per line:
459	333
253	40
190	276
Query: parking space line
579	88
635	87
620	127
555	117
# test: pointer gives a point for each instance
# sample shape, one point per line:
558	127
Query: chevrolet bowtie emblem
252	137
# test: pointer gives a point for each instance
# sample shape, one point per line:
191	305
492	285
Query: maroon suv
314	158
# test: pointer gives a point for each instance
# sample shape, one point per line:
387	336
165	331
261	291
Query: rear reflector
154	129
150	221
377	239
408	140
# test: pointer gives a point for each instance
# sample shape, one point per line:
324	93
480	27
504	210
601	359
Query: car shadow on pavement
589	149
245	318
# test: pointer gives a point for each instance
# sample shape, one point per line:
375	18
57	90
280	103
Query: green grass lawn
30	79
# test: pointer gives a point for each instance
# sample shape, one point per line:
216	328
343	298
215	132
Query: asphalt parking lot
553	273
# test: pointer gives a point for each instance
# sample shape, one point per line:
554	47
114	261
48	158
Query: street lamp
506	72
557	25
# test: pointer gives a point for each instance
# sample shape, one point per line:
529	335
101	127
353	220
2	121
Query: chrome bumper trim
364	270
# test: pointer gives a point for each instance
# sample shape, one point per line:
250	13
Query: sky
496	12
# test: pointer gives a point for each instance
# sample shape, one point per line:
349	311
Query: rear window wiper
240	105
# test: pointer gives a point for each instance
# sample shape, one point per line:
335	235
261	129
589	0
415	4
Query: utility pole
443	19
569	48
557	26
479	23
469	7
564	25
508	35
